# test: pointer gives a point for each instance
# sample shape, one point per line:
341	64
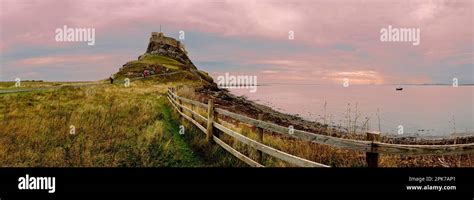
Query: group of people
146	73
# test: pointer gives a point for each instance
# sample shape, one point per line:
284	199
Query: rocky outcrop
169	47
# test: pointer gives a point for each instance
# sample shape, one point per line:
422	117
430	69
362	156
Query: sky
332	40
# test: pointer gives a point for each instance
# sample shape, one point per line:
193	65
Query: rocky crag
163	55
166	46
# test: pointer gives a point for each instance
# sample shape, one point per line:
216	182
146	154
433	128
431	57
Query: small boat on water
399	88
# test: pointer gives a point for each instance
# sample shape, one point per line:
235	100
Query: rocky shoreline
224	99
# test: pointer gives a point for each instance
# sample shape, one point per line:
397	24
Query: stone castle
167	46
159	37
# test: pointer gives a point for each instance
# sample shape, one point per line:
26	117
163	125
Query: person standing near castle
111	79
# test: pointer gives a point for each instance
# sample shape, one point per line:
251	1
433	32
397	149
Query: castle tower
161	38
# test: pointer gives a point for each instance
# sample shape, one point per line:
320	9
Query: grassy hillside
152	59
157	63
105	125
114	126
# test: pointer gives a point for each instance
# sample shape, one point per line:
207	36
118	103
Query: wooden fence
371	146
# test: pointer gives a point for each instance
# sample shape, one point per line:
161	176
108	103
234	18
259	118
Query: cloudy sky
332	39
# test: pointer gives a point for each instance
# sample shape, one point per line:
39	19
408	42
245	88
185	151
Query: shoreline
238	104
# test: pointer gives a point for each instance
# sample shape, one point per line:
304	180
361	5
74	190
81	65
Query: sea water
419	110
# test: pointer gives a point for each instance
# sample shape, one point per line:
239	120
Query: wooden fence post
180	105
372	159
192	114
210	120
260	140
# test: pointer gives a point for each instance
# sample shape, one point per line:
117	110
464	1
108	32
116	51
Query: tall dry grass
114	126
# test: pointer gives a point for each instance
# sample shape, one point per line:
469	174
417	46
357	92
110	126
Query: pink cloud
445	29
61	60
318	22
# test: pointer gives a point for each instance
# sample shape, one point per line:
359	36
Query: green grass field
10	85
113	126
152	59
150	62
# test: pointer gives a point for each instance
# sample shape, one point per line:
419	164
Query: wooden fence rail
372	146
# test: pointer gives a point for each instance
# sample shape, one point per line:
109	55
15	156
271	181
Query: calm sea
421	111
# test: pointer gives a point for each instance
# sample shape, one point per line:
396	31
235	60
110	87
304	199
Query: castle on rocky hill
159	37
154	61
